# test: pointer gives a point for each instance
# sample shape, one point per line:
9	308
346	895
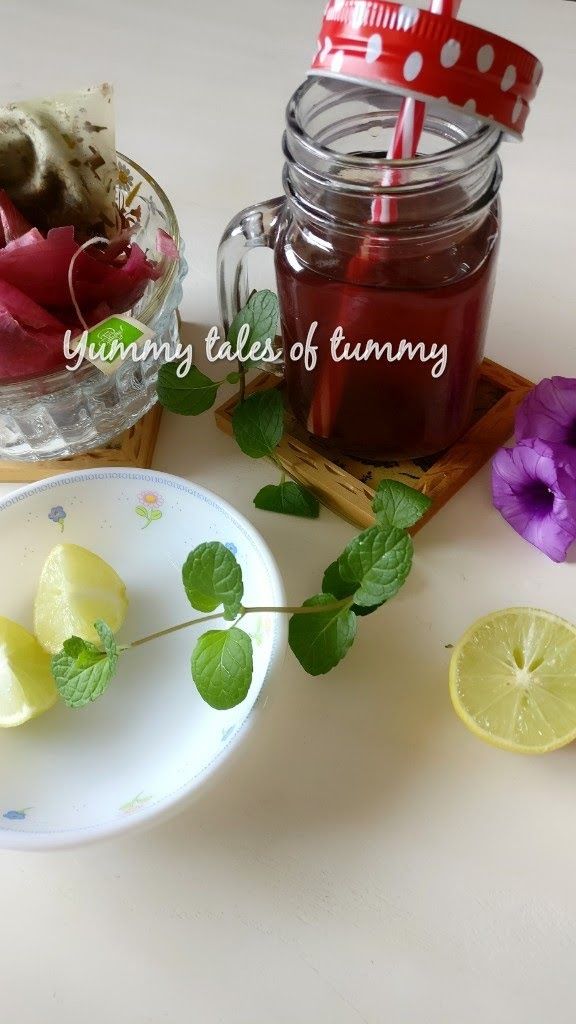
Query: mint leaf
321	641
377	562
189	395
262	316
288	498
396	504
107	637
362	610
74	647
258	423
334	584
222	667
212	577
82	672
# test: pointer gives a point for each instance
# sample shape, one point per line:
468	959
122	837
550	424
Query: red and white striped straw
413	112
404	146
409	127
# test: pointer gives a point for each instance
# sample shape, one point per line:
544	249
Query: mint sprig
367	574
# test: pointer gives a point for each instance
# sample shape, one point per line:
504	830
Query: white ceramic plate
72	776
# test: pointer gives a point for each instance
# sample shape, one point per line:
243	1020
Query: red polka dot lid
428	56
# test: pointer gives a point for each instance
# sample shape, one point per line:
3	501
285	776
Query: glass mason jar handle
251	229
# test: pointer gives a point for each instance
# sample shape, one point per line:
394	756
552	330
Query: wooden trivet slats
347	485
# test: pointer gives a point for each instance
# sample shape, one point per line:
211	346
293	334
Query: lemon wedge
27	688
76	588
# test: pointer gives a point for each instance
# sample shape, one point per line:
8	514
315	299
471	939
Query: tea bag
58	160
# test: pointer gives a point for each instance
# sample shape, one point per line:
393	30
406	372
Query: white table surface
368	860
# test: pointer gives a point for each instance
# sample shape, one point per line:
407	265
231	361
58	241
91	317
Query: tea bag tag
114	340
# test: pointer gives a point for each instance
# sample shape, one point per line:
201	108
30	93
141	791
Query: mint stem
174	629
242	382
313	609
309	610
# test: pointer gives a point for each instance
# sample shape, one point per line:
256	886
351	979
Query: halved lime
76	589
26	684
513	680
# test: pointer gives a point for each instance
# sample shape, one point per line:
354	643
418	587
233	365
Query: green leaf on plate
376	564
82	671
261	315
222	667
212	577
321	641
396	504
189	395
258	423
141	511
288	498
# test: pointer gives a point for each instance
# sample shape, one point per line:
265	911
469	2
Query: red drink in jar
418	288
384	404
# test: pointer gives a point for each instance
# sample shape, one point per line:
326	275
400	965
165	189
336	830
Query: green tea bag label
114	340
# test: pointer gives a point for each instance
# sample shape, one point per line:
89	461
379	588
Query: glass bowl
68	412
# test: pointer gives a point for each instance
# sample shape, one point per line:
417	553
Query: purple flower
549	413
536	495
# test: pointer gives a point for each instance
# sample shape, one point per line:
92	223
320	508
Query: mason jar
385	269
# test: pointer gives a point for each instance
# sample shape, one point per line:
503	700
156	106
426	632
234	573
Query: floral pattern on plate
138	801
57	515
17	815
149	507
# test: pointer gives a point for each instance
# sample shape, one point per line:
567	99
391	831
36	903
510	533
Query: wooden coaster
347	485
135	447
